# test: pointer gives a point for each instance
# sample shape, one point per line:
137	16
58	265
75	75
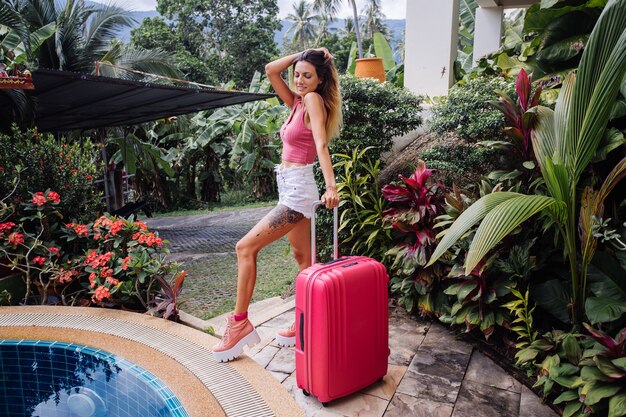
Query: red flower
16	238
101	293
66	276
54	196
5	227
54	251
89	178
39	260
39	199
79	229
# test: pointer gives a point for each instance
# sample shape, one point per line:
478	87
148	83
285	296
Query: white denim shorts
297	188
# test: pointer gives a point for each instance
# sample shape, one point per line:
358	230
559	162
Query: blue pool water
55	379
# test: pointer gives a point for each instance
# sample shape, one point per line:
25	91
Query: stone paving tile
405	336
483	370
284	361
439	337
265	356
442	363
281	321
478	400
531	405
385	389
406	405
428	387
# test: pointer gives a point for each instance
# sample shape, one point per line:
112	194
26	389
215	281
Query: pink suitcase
342	327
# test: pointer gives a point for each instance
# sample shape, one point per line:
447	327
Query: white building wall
487	31
430	45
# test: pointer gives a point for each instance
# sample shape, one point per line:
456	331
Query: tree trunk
357	31
210	178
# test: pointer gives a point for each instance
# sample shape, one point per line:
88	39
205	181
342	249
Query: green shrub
69	168
467	112
362	206
460	164
373	114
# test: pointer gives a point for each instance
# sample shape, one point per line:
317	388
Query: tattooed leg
276	224
283	215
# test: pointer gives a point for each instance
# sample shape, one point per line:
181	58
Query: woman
315	119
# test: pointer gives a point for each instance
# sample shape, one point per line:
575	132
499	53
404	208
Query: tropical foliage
362	205
565	142
414	203
253	128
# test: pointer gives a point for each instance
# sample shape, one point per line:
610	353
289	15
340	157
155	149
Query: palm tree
374	19
332	6
323	31
303	29
18	47
86	34
348	27
565	141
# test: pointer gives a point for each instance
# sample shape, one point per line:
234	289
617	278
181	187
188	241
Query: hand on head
327	55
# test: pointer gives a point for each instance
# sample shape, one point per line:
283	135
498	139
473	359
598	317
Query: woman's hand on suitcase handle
330	198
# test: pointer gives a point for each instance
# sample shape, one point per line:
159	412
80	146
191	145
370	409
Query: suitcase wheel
305	392
325	404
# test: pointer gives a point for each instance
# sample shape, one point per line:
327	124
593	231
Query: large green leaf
598	391
537	17
564	146
352	56
606	277
468	219
604	310
467	14
563	50
502	220
611	140
383	50
544	134
553	297
617	405
599	79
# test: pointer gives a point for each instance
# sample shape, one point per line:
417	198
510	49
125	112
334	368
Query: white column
487	31
431	35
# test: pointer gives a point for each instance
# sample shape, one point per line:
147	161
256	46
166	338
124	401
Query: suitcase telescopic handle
314	206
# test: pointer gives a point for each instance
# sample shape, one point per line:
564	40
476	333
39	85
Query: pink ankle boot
236	336
287	337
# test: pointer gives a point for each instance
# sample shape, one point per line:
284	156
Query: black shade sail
75	101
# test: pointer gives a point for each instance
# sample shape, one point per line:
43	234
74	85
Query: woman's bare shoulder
313	99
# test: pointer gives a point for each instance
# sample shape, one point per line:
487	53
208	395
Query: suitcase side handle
314	206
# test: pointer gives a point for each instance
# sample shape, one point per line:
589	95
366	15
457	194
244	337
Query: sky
393	9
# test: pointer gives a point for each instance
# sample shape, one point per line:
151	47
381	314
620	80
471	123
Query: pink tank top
298	143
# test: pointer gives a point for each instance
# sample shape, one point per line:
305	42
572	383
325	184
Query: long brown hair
328	89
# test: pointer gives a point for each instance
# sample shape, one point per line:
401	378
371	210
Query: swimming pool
41	378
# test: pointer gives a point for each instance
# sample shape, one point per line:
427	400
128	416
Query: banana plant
564	141
253	128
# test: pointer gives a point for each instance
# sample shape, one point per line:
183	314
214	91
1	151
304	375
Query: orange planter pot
370	68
